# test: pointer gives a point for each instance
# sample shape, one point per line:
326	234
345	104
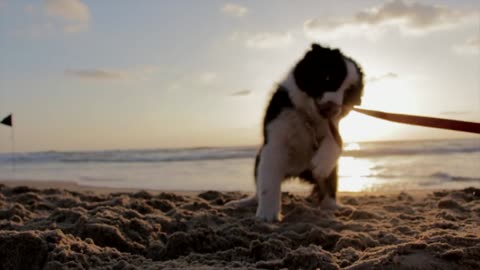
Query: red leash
424	121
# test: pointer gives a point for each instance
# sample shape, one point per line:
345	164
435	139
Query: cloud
413	15
95	74
234	10
263	40
142	73
53	16
241	93
470	46
386	76
408	17
74	14
183	80
72	10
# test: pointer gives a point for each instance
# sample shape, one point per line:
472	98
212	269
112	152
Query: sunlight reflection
354	174
352	147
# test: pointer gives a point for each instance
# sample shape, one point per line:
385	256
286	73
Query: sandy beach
65	226
126	127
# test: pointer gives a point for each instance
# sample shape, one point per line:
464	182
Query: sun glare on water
351	147
354	174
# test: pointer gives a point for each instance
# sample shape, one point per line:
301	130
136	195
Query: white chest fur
326	157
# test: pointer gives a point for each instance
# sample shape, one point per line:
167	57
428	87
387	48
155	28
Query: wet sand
64	226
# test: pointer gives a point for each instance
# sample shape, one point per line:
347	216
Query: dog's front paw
268	214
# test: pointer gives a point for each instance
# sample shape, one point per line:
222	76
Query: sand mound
59	229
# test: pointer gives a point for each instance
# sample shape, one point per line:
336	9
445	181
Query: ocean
379	166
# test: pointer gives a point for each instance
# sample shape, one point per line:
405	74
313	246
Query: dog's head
332	79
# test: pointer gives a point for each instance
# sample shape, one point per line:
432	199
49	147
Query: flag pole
13	151
8	121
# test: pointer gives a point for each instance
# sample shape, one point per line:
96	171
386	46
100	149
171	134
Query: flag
7	121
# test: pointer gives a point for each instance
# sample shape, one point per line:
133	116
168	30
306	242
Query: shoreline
72	185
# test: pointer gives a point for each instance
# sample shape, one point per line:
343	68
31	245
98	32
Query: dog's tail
245	202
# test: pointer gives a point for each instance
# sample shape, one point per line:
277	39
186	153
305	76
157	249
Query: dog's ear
320	50
316	46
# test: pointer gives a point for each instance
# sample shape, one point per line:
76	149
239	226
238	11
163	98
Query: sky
91	75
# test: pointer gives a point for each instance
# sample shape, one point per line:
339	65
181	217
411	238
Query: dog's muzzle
329	109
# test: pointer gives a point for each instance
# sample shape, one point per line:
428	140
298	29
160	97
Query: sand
57	228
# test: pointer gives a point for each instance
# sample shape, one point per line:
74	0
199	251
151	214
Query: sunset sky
88	75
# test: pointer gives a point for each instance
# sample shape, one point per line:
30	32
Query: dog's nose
329	109
326	105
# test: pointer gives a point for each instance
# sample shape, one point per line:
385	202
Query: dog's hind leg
251	200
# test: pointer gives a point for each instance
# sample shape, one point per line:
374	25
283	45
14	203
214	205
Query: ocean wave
403	151
435	177
132	156
449	177
205	153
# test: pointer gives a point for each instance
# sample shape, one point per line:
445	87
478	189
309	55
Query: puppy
300	129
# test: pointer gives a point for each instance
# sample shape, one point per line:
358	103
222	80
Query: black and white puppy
300	129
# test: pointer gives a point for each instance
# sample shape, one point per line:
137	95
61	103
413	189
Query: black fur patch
279	102
326	187
321	70
307	176
257	161
331	184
